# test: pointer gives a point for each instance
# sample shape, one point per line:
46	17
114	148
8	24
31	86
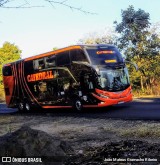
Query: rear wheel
21	106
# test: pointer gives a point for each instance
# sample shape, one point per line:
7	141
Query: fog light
85	98
102	102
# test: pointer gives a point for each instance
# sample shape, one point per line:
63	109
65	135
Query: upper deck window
63	58
78	55
50	61
7	71
104	55
39	64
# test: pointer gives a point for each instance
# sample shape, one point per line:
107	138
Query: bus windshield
114	80
104	55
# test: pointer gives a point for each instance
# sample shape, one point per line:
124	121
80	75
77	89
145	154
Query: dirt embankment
78	139
27	142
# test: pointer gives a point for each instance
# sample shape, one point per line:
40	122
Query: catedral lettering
40	76
78	77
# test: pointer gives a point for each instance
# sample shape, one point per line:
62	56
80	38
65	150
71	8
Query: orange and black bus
79	76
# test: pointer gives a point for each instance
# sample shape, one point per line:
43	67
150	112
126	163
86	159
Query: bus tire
77	105
21	106
27	107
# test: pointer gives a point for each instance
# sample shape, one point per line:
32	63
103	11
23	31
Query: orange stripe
20	78
27	88
15	84
7	64
52	52
56	107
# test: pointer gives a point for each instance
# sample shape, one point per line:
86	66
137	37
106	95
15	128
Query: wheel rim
78	105
21	106
27	107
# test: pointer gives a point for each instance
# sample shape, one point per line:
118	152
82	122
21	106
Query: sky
40	29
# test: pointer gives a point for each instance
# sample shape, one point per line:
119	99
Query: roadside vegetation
1	93
142	131
138	130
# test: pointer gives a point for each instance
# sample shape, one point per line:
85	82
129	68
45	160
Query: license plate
121	102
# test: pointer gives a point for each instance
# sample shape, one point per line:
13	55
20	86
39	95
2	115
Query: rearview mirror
134	64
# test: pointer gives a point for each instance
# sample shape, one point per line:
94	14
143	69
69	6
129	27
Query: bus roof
60	50
53	52
65	49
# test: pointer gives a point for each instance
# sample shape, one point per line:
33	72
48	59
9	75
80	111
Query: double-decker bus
78	77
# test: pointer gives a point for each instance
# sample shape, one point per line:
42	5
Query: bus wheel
77	105
21	106
27	107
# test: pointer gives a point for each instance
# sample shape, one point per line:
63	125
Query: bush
2	95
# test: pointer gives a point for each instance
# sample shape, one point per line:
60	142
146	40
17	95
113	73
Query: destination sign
106	52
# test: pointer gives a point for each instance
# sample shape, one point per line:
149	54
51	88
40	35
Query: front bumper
106	98
109	102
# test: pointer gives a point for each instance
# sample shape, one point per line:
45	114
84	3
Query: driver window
39	64
50	61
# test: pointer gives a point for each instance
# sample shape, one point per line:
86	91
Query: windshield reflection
114	80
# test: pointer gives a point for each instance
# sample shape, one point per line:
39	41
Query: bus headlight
85	98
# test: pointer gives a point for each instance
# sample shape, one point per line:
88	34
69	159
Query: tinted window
64	79
28	67
63	73
50	61
77	55
63	58
104	55
39	64
7	71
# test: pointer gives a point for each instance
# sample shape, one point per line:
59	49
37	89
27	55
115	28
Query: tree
28	4
140	44
8	53
107	36
55	48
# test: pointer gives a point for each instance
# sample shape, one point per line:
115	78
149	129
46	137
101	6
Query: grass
144	130
130	129
145	92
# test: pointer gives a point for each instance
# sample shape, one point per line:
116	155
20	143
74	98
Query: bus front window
114	80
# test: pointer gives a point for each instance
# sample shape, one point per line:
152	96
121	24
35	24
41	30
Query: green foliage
55	48
141	45
8	53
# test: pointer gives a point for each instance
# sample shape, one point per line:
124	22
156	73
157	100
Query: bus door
66	83
87	82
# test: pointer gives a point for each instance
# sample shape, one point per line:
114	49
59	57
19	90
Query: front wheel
27	107
77	105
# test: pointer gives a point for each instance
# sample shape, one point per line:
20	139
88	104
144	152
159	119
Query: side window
39	64
64	80
63	58
50	61
7	71
28	67
78	55
63	73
